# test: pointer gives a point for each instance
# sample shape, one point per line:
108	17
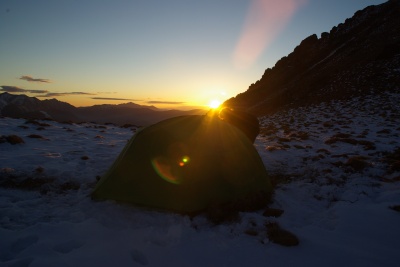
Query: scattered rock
274	148
342	135
138	257
384	131
323	150
390	180
280	236
393	160
368	145
229	212
37	136
70	185
358	163
283	139
328	124
12	139
349	141
127	125
100	127
271	212
395	208
68	246
29	183
251	232
221	213
39	169
34	122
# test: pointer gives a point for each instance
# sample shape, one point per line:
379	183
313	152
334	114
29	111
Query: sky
175	54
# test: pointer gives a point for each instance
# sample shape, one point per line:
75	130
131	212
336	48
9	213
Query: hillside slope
335	166
358	57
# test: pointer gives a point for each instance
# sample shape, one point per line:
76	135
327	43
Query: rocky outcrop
357	57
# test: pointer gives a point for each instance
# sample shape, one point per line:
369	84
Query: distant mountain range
358	57
22	106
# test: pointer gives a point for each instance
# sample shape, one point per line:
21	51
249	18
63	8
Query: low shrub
13	139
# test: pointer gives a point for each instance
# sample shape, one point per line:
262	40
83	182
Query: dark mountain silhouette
358	57
22	106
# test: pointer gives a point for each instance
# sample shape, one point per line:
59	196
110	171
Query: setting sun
214	103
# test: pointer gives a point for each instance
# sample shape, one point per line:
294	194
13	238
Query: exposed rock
358	57
280	236
12	139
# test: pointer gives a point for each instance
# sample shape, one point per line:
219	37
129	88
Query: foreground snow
335	182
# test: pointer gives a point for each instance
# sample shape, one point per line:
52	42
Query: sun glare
214	103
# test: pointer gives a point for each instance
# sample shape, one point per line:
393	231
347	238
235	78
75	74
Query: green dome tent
185	164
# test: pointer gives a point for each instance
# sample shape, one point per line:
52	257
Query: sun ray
214	104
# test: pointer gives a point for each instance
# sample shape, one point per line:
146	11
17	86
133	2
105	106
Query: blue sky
171	54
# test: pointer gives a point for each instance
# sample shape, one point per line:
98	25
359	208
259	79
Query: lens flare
166	170
215	103
170	170
184	161
265	19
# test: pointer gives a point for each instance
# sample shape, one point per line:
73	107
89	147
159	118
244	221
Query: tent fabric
185	164
246	122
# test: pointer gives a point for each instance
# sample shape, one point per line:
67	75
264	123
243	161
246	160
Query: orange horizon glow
205	95
79	101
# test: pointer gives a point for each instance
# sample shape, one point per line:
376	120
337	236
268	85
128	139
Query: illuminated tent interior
185	164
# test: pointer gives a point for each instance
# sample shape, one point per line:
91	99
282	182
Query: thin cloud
106	92
44	93
15	89
166	102
64	94
112	98
80	93
31	79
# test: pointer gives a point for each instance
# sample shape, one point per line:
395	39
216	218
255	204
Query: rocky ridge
358	57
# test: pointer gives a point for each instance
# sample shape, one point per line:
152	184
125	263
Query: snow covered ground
336	169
